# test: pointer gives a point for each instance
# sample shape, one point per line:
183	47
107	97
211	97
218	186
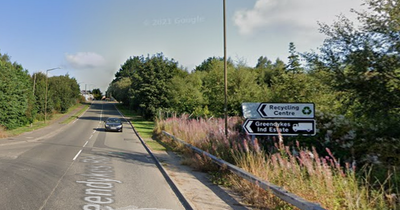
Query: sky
90	39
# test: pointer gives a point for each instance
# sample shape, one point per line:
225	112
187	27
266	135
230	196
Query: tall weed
302	171
3	133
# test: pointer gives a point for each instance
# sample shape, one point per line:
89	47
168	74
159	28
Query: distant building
88	96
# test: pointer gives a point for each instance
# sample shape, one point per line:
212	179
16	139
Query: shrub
299	170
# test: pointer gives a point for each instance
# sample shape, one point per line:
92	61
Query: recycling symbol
306	110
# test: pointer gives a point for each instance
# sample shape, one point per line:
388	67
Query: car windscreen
113	121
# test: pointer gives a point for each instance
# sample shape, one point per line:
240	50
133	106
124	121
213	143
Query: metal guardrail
278	191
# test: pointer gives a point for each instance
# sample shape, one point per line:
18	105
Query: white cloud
84	60
299	15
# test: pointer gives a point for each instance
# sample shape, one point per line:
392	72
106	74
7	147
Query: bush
299	170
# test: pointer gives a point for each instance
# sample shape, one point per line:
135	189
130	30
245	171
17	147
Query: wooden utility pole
225	75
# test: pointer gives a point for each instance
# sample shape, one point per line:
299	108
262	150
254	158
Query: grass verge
143	127
40	124
76	115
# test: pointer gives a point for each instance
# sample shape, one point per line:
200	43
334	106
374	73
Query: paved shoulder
196	187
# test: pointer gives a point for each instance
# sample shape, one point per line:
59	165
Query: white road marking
91	136
54	189
77	155
100	182
85	143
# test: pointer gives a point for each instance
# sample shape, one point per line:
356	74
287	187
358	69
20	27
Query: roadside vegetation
353	79
300	170
23	96
40	124
84	107
143	127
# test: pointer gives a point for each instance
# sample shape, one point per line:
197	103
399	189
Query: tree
97	94
16	98
365	61
294	60
39	91
213	87
243	87
263	62
150	80
128	68
266	70
63	93
119	89
185	93
120	86
207	64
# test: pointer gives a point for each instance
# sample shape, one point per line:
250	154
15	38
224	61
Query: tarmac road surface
81	166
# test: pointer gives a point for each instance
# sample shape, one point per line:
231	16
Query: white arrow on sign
249	130
286	110
261	110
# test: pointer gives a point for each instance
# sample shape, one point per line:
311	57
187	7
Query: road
80	166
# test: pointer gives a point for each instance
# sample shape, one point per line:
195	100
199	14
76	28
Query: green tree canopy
39	91
185	92
207	64
63	93
97	94
294	65
150	81
363	63
16	94
119	89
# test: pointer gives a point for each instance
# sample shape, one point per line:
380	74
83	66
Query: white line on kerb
77	155
85	143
